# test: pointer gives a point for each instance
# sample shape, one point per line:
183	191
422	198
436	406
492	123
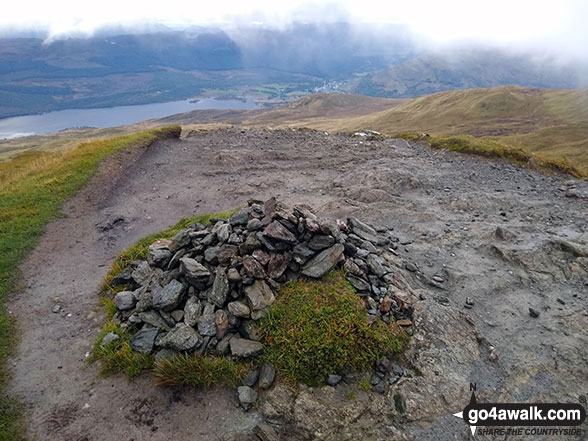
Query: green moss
199	371
320	327
31	194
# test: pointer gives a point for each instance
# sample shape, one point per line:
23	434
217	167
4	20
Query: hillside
552	122
466	69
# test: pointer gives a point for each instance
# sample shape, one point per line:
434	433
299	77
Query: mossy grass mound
320	327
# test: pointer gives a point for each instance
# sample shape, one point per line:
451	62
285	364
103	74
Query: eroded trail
445	209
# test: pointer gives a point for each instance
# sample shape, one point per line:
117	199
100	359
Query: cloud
549	25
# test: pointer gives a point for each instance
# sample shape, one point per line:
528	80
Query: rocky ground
498	256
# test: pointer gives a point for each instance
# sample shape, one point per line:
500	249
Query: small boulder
108	338
321	264
244	348
169	297
267	374
247	397
180	338
125	300
144	340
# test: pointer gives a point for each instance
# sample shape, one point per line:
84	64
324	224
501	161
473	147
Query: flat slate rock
144	340
277	231
322	263
180	338
243	348
169	297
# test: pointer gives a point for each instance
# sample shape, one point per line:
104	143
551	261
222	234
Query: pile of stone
205	289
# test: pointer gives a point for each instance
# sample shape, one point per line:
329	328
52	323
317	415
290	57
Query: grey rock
221	322
267	374
241	217
265	432
319	265
180	240
320	242
253	224
277	231
206	325
159	257
123	278
261	256
260	297
56	309
144	300
220	288
226	254
192	311
233	275
211	255
369	247
249	330
410	267
239	309
278	264
195	273
165	354
247	396
177	315
180	338
253	268
108	338
244	348
333	379
350	249
358	283
379	388
224	232
125	300
222	347
144	340
362	230
251	378
533	313
154	319
169	297
174	261
251	244
375	265
302	253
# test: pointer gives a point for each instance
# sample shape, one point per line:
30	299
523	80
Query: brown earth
445	209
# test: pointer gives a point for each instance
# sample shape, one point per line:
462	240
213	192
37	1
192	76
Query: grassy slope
32	189
551	122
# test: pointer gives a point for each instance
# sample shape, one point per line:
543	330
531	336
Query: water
108	117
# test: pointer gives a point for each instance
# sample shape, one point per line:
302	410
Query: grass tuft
32	188
499	150
118	356
319	327
199	371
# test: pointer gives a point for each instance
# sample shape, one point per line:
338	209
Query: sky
558	26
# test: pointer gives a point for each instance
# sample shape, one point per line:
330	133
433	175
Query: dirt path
444	207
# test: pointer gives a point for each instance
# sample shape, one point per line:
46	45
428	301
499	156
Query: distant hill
277	65
467	69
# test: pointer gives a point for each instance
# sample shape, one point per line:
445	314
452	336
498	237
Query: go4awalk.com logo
518	419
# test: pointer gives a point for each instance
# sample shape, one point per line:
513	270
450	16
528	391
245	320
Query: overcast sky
559	26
